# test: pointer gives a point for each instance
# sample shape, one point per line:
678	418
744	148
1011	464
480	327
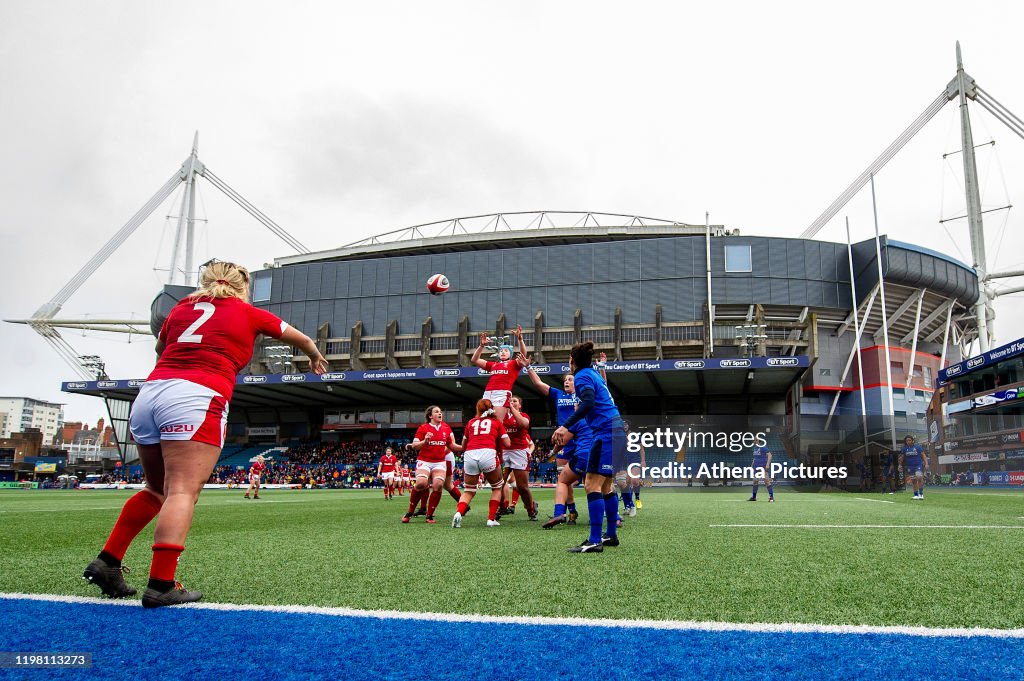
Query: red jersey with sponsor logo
503	375
520	436
257	468
483	433
387	463
209	340
436	438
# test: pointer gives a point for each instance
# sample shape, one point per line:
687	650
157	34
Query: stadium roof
505	230
733	376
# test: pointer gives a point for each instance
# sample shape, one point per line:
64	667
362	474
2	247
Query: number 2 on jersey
190	335
481	426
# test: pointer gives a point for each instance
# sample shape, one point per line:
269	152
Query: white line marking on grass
682	625
1016	495
883	527
877	501
66	509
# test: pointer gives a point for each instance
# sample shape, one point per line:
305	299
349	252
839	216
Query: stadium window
896	367
899	392
261	286
737	258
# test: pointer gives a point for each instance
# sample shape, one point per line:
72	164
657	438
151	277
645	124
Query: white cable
876	165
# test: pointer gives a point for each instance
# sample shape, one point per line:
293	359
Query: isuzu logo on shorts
441	373
783	361
293	378
689	364
336	376
254	379
178	428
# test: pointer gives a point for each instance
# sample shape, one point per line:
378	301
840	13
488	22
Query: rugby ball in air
437	284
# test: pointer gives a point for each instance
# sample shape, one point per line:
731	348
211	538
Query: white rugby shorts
478	461
176	409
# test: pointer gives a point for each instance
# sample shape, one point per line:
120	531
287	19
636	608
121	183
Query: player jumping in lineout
504	372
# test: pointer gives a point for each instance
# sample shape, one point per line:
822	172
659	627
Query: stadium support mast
974	223
961	88
186	218
44	320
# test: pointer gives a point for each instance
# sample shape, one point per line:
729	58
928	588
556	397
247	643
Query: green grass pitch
349	549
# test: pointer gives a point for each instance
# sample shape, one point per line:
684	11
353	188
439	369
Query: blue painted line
132	643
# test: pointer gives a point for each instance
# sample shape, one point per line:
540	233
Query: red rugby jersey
520	437
436	439
209	340
503	375
483	433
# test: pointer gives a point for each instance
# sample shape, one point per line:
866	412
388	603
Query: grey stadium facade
774	337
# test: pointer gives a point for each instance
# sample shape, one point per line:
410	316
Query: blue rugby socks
627	499
559	509
596	507
611	510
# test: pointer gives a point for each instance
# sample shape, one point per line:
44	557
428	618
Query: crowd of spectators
349	463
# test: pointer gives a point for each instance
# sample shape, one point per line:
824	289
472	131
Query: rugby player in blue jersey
915	463
566	460
887	461
607	451
762	462
628	481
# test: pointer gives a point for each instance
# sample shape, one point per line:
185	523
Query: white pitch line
117	507
1017	495
883	527
680	625
877	501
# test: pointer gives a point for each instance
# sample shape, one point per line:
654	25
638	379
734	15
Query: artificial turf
348	548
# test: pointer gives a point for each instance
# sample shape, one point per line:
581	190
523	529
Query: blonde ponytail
223	280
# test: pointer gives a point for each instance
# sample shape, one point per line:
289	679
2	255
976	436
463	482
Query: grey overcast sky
341	120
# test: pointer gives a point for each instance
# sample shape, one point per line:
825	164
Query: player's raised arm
477	357
522	344
602	364
542	387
